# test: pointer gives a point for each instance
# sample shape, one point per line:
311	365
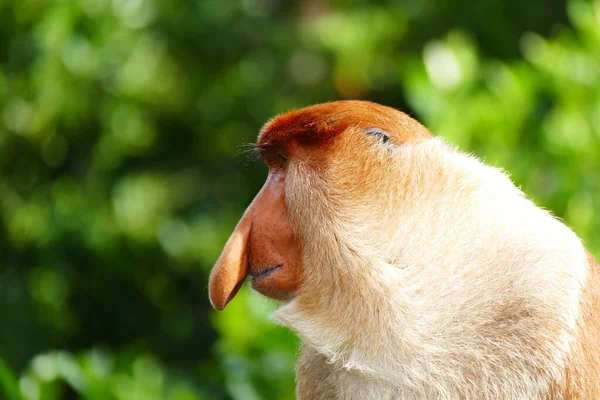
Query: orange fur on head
321	122
411	270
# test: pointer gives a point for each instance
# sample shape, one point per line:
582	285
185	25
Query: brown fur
321	122
582	377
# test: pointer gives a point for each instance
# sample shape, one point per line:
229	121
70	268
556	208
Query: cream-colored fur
428	275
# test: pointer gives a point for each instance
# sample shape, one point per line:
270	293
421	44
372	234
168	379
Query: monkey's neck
356	321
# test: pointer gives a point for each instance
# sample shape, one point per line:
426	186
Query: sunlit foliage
122	171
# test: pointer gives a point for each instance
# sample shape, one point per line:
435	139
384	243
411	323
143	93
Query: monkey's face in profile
331	176
262	247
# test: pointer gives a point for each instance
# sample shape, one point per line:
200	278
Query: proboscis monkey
411	270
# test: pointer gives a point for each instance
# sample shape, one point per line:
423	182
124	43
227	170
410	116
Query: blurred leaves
8	383
121	174
96	374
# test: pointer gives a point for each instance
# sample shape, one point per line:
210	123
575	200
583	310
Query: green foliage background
121	174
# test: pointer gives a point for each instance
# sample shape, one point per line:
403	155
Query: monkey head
326	166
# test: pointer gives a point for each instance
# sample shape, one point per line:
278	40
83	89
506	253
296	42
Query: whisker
251	152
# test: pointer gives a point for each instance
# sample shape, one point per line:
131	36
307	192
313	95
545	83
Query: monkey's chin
274	283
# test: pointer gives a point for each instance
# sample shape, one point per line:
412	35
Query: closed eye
282	160
380	134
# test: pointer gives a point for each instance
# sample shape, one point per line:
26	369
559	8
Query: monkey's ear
380	134
230	271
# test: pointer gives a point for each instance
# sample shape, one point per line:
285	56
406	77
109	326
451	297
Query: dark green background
122	174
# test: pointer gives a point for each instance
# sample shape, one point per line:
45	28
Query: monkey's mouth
264	272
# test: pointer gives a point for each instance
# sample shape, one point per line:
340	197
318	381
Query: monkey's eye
380	134
275	159
282	160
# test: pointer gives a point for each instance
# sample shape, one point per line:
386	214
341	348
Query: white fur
431	278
